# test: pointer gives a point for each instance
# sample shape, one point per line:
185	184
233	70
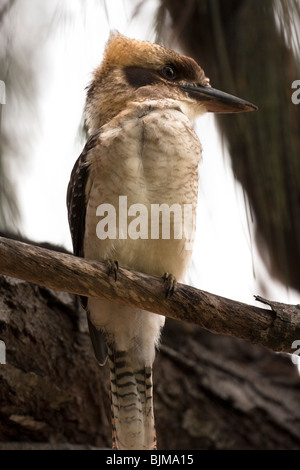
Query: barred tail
131	403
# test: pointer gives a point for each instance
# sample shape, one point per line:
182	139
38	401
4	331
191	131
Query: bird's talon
170	284
112	267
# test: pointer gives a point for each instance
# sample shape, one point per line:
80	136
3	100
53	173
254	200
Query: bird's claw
112	268
170	284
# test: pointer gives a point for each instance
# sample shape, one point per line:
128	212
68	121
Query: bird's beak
217	101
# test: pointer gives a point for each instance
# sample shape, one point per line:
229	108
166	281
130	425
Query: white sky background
224	255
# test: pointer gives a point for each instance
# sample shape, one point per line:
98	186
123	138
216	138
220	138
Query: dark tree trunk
51	389
211	392
224	393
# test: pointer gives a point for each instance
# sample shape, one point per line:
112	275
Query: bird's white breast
150	154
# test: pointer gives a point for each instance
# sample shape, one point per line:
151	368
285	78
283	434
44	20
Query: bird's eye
169	72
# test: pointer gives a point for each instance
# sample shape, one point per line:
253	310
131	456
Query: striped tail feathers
131	404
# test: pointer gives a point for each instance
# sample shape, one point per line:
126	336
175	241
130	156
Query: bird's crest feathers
123	52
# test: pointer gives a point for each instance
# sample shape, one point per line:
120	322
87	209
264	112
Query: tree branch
275	329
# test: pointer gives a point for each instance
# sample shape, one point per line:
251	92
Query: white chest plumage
150	155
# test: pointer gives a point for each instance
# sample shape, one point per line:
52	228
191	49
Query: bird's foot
170	284
112	268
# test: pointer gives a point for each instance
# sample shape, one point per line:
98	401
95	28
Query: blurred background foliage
21	60
250	49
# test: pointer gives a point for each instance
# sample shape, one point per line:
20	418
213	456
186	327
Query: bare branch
275	329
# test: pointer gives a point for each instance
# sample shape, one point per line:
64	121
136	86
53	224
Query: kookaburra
139	112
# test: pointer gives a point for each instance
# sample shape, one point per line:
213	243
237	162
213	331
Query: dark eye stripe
138	77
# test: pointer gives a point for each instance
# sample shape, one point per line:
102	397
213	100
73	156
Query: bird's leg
112	267
170	284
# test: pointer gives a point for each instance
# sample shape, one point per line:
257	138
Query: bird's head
138	70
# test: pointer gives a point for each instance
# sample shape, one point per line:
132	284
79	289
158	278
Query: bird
140	108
